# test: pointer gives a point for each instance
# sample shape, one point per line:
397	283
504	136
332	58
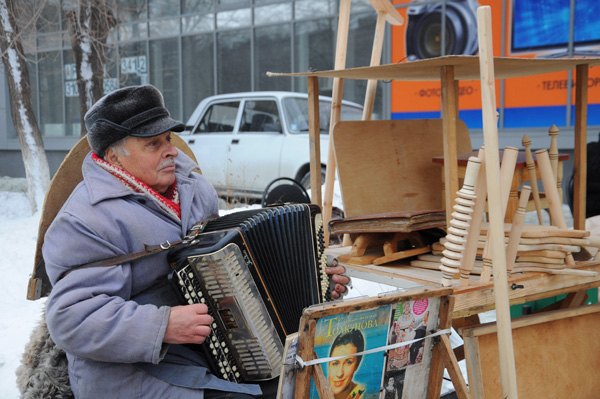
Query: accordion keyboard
243	341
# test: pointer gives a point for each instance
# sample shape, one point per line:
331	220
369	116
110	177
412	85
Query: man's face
342	371
151	160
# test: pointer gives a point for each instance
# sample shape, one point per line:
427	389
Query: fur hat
137	111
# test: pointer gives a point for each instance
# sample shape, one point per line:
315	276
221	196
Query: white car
243	141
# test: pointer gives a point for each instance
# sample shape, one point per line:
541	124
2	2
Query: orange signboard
531	28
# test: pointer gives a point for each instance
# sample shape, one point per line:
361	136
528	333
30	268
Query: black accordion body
256	270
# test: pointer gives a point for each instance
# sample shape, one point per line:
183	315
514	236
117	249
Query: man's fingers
199	308
336	270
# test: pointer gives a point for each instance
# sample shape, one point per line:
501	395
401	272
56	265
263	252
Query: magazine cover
407	367
353	377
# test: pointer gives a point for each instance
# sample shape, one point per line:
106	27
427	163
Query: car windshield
296	114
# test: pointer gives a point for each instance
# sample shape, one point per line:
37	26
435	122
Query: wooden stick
470	251
515	235
508	373
401	255
553	153
507	171
336	110
548	247
556	233
580	161
314	130
540	259
554	202
449	117
461	219
573	272
591	241
526	141
544	253
375	60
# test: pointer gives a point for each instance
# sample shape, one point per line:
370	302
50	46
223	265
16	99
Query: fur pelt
43	372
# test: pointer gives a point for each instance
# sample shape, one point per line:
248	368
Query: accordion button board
256	271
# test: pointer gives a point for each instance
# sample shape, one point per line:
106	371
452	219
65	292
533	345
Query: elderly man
121	326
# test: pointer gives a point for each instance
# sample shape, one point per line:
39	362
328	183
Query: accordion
256	270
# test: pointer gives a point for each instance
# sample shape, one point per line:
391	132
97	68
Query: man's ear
112	157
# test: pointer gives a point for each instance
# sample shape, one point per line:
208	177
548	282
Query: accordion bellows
256	270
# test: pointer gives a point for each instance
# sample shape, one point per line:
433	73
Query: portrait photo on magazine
338	338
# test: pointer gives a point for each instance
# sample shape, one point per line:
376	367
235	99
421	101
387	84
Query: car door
255	151
211	139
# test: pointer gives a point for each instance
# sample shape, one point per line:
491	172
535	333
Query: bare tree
90	22
23	117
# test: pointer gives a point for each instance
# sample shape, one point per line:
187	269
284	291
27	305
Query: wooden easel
442	357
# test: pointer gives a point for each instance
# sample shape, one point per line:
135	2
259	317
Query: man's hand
339	279
189	324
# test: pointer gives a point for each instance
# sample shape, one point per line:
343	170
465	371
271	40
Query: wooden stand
443	355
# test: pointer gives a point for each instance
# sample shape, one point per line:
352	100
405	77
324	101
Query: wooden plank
458	380
449	119
351	305
436	372
314	130
336	110
384	166
375	60
554	201
488	98
580	162
474	367
321	382
529	287
553	352
401	255
305	344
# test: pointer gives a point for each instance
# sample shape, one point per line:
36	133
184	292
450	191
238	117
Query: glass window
311	8
132	10
67	6
48	20
234	19
360	38
296	114
272	14
233	60
164	69
198	71
260	116
133	64
193	6
164	27
272	52
230	4
133	31
198	23
219	118
163	8
50	94
314	48
73	117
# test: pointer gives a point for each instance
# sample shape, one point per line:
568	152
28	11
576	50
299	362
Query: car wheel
305	181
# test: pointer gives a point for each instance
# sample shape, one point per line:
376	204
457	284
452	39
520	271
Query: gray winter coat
111	320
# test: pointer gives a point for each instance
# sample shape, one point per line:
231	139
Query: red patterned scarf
169	202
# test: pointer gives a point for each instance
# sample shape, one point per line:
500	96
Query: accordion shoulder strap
148	250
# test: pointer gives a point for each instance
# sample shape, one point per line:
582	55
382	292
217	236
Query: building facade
189	49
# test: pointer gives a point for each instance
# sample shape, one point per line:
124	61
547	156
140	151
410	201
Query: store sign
134	65
71	89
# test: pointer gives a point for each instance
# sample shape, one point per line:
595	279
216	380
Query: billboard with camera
522	28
